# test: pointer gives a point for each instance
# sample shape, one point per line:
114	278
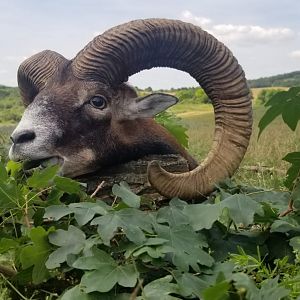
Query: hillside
283	80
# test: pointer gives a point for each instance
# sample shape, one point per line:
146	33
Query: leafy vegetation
242	242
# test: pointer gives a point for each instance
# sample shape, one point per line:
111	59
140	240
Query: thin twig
288	210
97	189
13	287
136	289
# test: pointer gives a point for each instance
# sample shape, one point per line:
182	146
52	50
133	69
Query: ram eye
98	102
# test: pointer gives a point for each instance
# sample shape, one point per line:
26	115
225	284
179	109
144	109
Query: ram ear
147	106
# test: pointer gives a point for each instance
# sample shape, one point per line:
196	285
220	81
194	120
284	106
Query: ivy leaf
286	103
241	208
41	178
10	195
203	216
184	247
123	191
71	241
36	255
56	212
105	272
131	220
160	289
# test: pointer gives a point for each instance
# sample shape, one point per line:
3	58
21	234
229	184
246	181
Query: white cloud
187	15
240	33
295	54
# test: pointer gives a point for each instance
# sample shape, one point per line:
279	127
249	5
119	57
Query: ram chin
80	163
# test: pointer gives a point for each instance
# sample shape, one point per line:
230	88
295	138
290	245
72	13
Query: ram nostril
23	137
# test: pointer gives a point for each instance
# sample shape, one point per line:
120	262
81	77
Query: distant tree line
283	80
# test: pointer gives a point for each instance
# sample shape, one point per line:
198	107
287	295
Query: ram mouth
42	163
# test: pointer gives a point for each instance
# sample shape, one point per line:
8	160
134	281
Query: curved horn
35	71
143	44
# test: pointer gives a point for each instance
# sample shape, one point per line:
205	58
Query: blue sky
264	35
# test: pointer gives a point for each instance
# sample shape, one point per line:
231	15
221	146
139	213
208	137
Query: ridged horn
35	71
143	44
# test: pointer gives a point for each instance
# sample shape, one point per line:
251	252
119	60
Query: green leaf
36	255
42	178
294	170
285	224
173	214
67	185
10	195
270	289
160	289
78	293
6	244
217	292
184	247
131	220
3	173
173	124
71	241
286	103
241	208
123	191
106	272
56	212
203	216
295	243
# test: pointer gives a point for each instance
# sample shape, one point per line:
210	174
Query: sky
264	35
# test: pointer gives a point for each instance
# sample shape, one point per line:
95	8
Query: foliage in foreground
241	243
56	240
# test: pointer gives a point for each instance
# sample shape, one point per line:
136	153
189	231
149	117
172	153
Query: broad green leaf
106	273
241	208
100	259
173	214
270	289
85	211
56	212
131	220
42	178
184	247
123	191
190	284
217	292
77	293
36	255
285	224
67	185
295	243
70	241
160	289
202	216
244	282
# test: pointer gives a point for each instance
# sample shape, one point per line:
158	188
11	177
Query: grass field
268	151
